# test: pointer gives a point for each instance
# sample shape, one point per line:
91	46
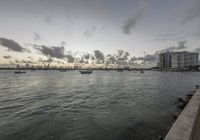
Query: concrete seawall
187	126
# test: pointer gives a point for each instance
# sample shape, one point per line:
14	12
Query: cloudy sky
139	27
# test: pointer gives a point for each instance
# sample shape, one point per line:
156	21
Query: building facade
165	60
178	60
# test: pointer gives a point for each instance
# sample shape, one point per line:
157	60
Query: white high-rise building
165	60
178	60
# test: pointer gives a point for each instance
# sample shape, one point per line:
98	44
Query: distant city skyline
43	29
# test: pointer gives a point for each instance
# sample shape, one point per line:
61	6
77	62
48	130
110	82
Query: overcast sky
136	26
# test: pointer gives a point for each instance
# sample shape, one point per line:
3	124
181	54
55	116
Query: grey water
106	105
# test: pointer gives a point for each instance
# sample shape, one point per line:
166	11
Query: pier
187	126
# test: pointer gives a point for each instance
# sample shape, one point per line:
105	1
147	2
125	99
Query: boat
19	72
85	71
141	71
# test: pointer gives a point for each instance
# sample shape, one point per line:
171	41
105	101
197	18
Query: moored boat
85	71
19	72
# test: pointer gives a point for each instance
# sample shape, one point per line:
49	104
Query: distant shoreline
102	69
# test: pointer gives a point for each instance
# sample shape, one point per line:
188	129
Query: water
52	105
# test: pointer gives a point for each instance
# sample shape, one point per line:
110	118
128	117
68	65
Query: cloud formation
87	56
99	56
132	22
154	58
133	59
56	52
122	55
181	46
111	59
11	45
70	58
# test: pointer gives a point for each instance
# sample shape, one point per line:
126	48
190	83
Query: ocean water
106	105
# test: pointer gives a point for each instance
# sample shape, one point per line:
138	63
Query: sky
78	27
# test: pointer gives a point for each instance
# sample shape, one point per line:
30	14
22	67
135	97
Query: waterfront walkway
187	126
196	131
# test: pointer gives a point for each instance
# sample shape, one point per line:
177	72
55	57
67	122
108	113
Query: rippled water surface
106	105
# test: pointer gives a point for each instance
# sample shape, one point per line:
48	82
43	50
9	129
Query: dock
187	126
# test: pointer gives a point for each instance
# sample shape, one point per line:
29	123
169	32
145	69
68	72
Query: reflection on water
45	105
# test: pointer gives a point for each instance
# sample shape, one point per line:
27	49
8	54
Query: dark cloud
111	59
56	52
193	13
36	36
127	53
87	56
132	22
133	59
99	56
70	58
7	57
122	57
11	45
120	53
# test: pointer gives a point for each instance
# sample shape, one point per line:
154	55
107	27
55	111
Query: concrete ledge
185	126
